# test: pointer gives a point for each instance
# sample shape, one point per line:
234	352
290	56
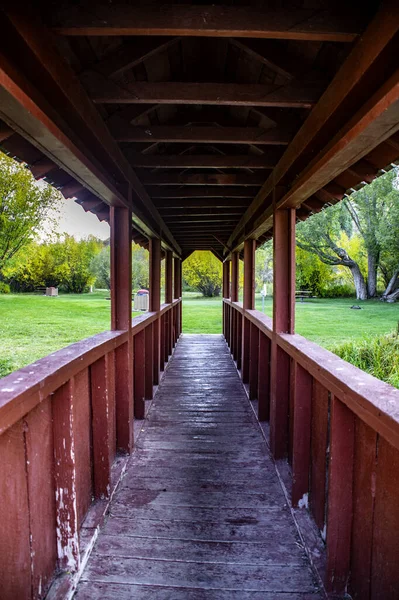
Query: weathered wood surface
200	513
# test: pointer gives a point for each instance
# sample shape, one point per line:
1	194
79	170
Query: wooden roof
199	116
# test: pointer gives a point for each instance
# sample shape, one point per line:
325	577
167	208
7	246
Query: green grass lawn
33	326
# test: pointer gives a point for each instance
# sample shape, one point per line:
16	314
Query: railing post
121	319
155	301
283	322
248	304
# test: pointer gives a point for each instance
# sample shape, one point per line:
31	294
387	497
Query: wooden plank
139	375
101	427
340	497
254	362
279	401
207	161
149	358
40	474
15	573
364	472
67	517
385	547
284	269
209	21
253	180
103	91
82	443
124	132
319	439
302	405
263	394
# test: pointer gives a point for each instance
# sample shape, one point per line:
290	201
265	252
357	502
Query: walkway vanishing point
200	513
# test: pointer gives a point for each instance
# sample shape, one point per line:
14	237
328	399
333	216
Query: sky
72	219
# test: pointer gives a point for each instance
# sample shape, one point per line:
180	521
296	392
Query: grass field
33	326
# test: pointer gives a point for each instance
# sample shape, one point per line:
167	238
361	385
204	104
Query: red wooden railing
340	428
59	438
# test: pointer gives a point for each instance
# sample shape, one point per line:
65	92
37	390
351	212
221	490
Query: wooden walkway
200	513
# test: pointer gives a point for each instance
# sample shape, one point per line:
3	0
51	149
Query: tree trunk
360	284
391	292
372	264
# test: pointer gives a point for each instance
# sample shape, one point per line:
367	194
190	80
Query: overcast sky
73	220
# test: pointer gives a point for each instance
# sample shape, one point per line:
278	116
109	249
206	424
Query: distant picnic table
302	294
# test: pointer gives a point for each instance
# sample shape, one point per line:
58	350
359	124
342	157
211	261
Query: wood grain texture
200	513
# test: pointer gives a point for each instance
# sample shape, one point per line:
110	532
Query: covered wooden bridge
187	127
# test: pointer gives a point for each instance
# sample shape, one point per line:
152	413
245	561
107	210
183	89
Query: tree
203	271
370	213
320	234
264	265
100	268
24	205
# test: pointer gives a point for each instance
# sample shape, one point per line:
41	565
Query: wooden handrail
372	400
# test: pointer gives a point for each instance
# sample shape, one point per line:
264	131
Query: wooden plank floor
200	513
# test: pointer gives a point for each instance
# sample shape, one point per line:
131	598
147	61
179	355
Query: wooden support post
65	477
340	490
283	322
149	362
302	409
139	374
264	377
169	300
121	319
101	409
248	304
155	301
254	361
177	294
234	276
226	294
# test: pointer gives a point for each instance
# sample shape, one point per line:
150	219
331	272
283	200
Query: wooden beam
208	21
200	192
202	219
42	167
168	214
207	161
132	53
255	49
103	91
202	179
362	58
70	131
123	132
196	203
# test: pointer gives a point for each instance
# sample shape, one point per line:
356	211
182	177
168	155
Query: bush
378	355
4	288
337	291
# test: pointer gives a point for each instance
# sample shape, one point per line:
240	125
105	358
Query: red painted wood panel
64	433
279	402
101	427
111	403
40	471
149	366
82	424
301	421
340	504
254	358
124	396
385	558
264	378
239	340
15	571
139	375
364	476
319	452
245	349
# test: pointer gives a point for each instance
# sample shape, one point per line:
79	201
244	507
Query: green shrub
378	355
337	291
4	288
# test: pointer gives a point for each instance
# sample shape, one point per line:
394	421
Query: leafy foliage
24	205
203	272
